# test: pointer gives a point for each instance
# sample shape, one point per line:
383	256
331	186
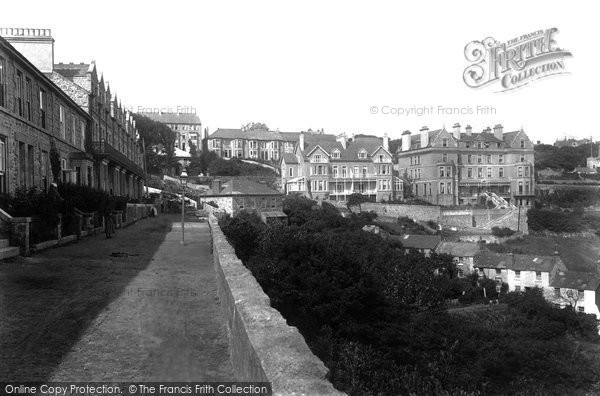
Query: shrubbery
502	232
376	316
541	219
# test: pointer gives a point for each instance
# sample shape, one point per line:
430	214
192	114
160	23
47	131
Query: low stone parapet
262	346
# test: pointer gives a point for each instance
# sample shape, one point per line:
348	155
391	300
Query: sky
343	66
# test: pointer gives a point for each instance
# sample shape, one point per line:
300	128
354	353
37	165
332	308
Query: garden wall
262	346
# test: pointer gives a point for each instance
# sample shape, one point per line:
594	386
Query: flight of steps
7	251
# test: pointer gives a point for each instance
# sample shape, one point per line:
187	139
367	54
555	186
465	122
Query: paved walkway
166	323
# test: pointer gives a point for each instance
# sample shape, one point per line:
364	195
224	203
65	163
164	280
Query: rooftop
173	118
459	249
419	241
518	262
242	187
576	280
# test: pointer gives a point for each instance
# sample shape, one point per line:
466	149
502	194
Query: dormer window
335	154
362	154
444	142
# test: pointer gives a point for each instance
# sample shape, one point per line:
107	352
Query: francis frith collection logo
514	63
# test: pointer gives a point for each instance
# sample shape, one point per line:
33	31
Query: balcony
103	149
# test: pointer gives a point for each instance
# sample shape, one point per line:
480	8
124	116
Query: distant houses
237	195
463	254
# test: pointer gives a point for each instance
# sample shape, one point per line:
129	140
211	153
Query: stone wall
262	346
417	212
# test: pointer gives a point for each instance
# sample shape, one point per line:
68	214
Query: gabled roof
518	262
350	153
173	118
419	241
242	187
459	249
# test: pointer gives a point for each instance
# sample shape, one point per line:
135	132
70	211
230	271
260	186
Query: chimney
405	140
468	129
37	45
216	186
342	139
424	137
301	141
456	131
487	130
498	128
386	141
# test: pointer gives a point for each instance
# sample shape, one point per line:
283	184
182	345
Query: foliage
157	136
237	167
568	197
356	199
502	232
55	165
376	316
548	156
541	219
255	126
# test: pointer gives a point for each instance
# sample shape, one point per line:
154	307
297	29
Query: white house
463	254
576	289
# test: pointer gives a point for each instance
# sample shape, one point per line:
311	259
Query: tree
160	143
356	199
55	161
193	148
255	126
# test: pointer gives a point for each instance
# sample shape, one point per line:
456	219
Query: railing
103	148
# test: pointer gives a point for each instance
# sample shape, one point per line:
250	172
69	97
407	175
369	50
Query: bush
541	219
502	232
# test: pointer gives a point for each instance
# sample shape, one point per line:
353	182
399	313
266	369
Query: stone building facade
330	167
96	135
34	114
457	168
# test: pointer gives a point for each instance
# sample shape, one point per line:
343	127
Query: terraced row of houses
67	106
439	166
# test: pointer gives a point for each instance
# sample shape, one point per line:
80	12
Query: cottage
425	244
463	254
576	289
237	195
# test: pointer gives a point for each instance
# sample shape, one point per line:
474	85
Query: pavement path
163	322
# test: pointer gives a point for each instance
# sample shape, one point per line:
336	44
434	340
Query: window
520	187
444	142
489	158
442	188
526	171
449	188
43	108
449	171
73	128
384	185
520	171
253	145
411	160
2	166
517	288
344	171
580	309
441	171
356	174
469	159
498	271
470	173
522	158
381	158
460	273
517	274
480	173
478	144
479	159
364	172
291	172
522	143
19	93
28	99
445	157
489	172
500	158
2	82
362	154
335	171
317	158
538	276
62	121
557	292
335	154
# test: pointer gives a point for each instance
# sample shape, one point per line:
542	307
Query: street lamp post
183	179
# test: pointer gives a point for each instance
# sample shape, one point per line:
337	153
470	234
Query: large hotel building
455	167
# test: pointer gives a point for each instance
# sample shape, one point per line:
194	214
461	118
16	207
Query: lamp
183	179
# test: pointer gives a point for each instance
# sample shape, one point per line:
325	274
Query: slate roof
576	280
419	241
488	137
459	249
289	158
226	133
242	187
350	153
518	262
174	118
